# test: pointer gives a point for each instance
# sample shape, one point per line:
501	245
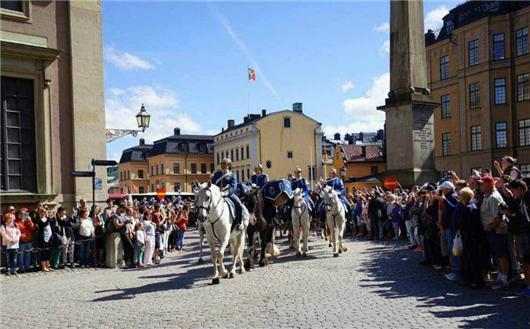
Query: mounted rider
337	185
299	182
259	178
227	182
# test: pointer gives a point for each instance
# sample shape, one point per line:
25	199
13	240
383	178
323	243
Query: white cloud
126	61
382	28
122	105
385	48
433	19
347	86
361	113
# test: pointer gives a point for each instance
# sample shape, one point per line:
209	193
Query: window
231	154
176	187
290	154
242	153
141	189
498	46
18	161
248	152
445	101
444	67
524	132
12	5
156	169
287	122
374	169
203	168
162	169
474	96
183	147
140	173
153	188
193	168
472	47
501	134
523	93
121	175
212	167
237	154
525	169
521	41
242	177
128	175
500	91
176	168
476	138
218	158
446	144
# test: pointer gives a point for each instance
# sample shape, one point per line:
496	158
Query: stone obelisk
409	106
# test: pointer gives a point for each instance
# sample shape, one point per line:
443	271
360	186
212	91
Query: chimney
263	112
246	118
231	123
297	107
142	141
363	151
336	136
430	37
176	131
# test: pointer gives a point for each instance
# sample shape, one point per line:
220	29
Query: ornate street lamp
143	118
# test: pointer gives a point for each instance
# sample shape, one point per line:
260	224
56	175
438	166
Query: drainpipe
513	95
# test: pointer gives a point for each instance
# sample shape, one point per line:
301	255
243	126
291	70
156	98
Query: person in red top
27	227
182	221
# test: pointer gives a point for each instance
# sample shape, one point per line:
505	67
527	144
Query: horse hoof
340	251
298	254
215	281
335	255
263	263
329	245
231	275
225	276
201	261
304	254
241	271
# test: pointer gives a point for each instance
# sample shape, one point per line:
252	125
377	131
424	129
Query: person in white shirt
86	235
149	239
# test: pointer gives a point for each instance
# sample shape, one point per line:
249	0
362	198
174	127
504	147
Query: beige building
52	100
479	68
280	141
172	163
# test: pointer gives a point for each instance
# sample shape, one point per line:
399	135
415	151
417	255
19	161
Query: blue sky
188	62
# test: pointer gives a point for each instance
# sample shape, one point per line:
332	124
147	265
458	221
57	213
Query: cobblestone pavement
373	285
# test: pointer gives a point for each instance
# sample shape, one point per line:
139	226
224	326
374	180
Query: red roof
354	153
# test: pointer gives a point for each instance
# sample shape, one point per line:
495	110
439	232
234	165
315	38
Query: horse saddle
279	191
231	207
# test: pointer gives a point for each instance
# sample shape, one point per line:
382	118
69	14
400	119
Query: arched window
183	147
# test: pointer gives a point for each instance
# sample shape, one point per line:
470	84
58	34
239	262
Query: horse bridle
208	211
304	205
340	206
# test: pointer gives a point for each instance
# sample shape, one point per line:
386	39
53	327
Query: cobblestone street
373	285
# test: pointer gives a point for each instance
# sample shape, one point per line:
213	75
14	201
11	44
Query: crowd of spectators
487	215
44	240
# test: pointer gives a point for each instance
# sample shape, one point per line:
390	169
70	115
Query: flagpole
248	95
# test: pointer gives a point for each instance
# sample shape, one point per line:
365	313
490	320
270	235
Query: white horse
335	218
215	212
301	221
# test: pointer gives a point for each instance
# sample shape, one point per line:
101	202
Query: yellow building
172	163
359	165
479	69
280	141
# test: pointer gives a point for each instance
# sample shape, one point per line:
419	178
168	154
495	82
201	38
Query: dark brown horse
262	221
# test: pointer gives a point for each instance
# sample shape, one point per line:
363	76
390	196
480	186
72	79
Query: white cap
447	184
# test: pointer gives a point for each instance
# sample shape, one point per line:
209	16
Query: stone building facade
53	113
479	67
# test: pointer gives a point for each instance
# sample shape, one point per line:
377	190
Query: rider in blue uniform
259	178
227	182
336	184
297	181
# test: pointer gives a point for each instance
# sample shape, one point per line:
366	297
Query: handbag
458	247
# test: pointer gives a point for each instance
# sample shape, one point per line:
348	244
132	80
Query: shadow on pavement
396	273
